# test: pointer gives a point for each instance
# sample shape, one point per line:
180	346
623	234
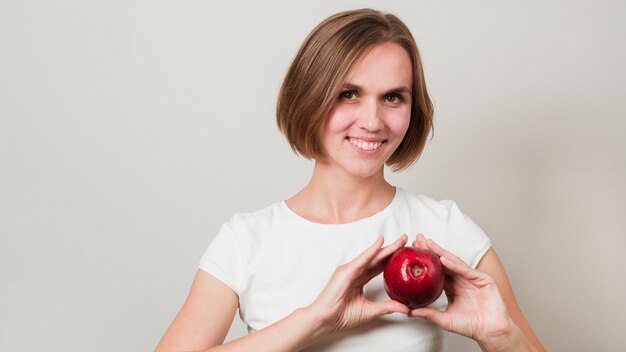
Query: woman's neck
339	197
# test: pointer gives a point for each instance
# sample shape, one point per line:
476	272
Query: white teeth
368	146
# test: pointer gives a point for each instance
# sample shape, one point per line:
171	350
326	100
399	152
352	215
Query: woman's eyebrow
350	86
400	89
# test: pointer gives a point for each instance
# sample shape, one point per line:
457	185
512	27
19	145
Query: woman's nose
369	118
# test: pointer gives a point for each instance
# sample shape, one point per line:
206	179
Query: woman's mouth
368	146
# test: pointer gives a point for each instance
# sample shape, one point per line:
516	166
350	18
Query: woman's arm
490	264
205	318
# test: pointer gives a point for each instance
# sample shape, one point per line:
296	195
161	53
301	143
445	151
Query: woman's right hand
342	304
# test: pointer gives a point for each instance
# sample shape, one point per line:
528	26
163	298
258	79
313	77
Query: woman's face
371	115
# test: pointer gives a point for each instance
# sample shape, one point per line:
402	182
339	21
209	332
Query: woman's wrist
314	320
320	321
296	331
509	339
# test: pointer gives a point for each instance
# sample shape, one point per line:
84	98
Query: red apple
414	277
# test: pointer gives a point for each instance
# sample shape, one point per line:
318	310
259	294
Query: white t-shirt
276	261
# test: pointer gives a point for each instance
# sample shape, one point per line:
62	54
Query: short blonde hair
320	69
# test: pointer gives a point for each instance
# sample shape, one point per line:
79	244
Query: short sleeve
464	238
223	258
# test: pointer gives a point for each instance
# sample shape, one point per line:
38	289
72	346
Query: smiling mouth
365	145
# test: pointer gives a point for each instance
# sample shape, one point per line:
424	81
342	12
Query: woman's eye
348	95
393	98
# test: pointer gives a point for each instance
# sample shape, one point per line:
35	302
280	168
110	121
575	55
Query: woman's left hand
475	307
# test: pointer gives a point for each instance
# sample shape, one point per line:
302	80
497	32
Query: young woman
304	273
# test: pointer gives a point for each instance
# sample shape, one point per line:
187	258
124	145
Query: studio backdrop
131	130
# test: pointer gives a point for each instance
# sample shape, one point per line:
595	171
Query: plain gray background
130	130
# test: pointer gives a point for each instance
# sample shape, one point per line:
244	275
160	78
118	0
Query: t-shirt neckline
380	213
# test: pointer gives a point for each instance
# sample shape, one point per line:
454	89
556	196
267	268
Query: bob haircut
320	69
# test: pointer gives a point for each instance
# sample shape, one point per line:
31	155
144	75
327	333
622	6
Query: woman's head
321	67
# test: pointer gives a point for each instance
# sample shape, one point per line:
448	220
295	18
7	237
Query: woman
304	272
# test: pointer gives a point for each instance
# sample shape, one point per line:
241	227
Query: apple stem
416	271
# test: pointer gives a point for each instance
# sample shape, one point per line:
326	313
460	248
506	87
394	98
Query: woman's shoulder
259	217
248	231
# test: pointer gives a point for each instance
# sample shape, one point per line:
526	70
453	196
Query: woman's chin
366	172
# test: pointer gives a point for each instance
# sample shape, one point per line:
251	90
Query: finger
461	269
420	241
376	309
368	255
433	246
387	251
449	285
372	272
377	265
431	314
453	265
